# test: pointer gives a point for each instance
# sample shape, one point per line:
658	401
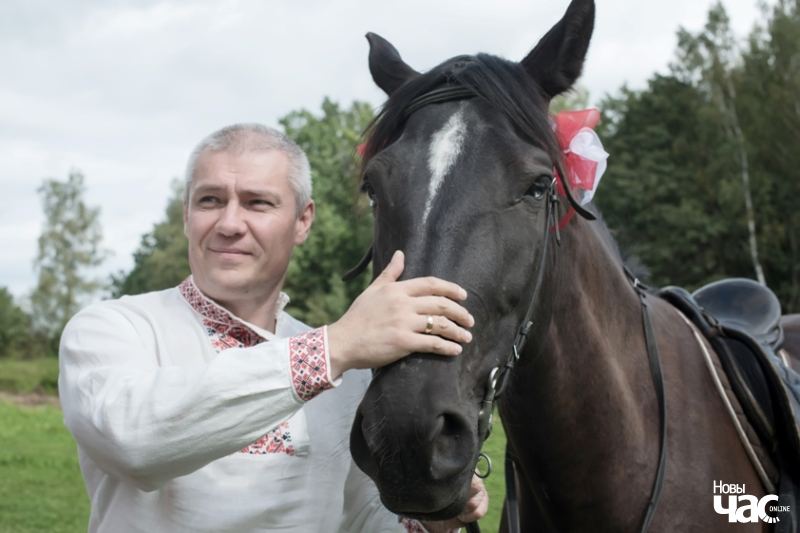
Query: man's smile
229	251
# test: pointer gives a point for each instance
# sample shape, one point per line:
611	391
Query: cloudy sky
123	89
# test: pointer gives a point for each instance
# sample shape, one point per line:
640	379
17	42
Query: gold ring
429	325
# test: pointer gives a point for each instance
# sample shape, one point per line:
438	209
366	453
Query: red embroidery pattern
308	364
226	331
276	441
412	526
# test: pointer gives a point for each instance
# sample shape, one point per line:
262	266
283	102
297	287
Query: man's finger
392	271
477	504
424	343
445	307
432	286
443	327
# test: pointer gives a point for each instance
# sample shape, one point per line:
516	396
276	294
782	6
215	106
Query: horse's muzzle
418	445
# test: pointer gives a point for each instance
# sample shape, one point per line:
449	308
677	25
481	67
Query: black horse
460	169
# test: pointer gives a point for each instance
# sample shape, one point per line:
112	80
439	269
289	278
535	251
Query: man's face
242	224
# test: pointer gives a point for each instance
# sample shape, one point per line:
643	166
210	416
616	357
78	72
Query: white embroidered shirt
190	419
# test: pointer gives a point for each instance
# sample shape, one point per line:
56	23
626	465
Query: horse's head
459	167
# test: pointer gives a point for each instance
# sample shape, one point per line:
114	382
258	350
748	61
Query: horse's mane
503	84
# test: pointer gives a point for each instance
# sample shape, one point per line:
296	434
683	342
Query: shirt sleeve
149	423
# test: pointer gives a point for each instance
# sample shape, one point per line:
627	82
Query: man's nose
231	220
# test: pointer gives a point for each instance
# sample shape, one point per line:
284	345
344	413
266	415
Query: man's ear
388	69
557	60
302	225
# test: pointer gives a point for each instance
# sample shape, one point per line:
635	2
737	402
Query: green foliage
161	260
495	448
16	337
662	192
40	483
342	228
675	192
35	376
69	246
768	105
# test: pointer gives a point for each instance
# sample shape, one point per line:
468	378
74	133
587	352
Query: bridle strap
360	267
658	382
512	501
445	93
498	377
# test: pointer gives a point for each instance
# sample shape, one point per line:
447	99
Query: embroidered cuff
279	440
412	526
308	361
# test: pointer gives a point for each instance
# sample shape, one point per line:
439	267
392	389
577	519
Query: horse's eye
366	188
539	187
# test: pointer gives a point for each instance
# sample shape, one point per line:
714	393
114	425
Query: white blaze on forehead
444	150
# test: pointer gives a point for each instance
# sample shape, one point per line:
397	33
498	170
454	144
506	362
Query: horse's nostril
452	447
452	425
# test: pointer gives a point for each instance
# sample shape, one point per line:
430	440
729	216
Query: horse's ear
557	60
386	66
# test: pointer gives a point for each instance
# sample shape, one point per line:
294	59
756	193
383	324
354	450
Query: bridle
498	376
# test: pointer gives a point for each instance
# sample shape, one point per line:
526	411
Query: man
206	407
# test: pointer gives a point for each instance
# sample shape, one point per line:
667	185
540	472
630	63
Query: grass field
32	376
41	489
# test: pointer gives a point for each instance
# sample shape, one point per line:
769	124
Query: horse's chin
431	514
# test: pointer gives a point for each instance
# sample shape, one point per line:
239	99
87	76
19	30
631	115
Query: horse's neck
596	315
594	343
584	391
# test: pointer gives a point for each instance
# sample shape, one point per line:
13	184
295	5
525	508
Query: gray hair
251	137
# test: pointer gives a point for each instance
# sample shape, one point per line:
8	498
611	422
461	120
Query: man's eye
208	200
261	203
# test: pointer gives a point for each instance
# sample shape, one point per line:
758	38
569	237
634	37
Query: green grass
29	376
495	448
41	488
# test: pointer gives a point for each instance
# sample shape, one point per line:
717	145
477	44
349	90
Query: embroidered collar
220	319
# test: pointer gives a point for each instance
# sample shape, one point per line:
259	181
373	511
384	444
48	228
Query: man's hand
475	509
389	319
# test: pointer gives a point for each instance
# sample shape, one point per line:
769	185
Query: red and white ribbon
584	156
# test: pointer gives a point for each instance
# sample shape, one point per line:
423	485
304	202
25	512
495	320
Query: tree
343	226
711	57
770	113
161	260
661	192
69	247
16	339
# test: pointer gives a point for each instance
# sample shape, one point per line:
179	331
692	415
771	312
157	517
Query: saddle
745	305
741	320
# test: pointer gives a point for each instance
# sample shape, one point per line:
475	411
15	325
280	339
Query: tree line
702	182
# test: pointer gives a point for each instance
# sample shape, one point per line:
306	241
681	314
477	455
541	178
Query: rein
498	377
